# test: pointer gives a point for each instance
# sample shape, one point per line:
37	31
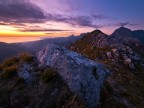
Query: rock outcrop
84	77
25	74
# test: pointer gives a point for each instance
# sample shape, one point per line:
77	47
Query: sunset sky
66	17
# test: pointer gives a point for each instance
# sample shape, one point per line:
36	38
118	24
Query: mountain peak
123	29
97	31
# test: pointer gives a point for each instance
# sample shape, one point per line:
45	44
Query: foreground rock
83	76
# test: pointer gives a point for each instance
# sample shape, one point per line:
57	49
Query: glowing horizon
58	18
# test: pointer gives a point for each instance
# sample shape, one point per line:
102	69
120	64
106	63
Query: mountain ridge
122	53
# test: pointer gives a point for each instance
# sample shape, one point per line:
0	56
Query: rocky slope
56	78
84	77
108	73
122	52
23	83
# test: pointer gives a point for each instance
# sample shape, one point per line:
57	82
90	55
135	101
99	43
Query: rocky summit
84	77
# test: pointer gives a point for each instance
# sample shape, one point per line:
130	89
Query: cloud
82	21
42	30
21	11
3	23
122	24
18	12
100	16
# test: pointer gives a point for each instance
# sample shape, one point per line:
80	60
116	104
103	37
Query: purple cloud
15	9
82	21
16	13
122	24
99	16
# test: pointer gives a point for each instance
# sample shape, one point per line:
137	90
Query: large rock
83	76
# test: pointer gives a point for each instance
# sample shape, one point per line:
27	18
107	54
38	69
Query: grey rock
84	77
128	61
25	74
109	55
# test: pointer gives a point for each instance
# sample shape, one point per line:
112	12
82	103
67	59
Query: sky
54	18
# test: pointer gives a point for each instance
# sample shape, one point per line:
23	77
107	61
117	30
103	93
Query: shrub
49	75
9	62
26	57
9	72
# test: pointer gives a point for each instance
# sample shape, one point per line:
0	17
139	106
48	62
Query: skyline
66	17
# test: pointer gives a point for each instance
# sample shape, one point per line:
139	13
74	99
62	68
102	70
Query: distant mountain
38	45
8	50
123	53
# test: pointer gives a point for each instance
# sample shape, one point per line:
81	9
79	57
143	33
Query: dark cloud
18	12
99	16
82	21
122	24
42	30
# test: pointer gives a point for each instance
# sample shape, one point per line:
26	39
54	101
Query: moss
49	75
9	72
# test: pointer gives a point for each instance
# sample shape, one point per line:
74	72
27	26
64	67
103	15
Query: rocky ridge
84	77
118	47
122	53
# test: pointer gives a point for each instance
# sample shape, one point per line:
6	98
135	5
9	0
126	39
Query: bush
9	72
26	57
49	75
9	62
